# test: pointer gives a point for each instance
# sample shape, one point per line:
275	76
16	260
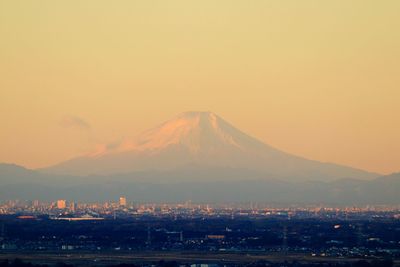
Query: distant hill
146	186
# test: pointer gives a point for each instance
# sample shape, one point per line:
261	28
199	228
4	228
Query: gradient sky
320	79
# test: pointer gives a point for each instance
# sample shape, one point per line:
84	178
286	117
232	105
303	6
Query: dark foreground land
217	241
203	259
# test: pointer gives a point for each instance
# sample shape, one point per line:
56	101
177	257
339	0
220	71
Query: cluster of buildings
125	226
62	208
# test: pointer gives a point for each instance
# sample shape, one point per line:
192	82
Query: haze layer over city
191	133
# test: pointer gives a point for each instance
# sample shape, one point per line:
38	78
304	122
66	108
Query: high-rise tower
122	201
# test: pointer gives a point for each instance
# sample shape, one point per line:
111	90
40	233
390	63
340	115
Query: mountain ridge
143	187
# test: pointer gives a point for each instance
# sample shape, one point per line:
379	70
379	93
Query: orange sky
320	79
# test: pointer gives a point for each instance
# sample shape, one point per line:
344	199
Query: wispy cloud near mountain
72	121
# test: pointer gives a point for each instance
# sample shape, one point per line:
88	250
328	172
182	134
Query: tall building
72	206
35	203
61	204
122	201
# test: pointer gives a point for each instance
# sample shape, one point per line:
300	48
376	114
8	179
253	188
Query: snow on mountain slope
202	140
196	131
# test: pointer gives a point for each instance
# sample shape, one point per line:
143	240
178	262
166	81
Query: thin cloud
75	122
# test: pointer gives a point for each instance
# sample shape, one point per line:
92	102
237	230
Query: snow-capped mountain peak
196	131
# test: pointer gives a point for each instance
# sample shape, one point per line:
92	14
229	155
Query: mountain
11	173
200	157
202	142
